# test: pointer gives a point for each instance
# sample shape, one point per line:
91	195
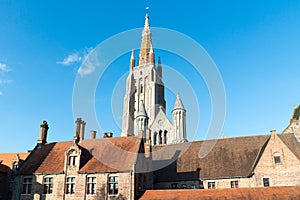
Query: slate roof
291	142
266	193
50	157
7	158
230	157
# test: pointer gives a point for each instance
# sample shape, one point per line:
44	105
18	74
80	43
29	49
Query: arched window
154	138
165	136
160	137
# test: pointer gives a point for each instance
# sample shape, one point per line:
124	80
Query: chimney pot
108	135
93	134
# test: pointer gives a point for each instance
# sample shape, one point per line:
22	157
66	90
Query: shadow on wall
100	194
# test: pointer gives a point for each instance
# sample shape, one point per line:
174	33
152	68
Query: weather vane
147	9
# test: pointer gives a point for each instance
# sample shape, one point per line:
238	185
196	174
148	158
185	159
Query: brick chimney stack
43	133
82	129
79	130
93	134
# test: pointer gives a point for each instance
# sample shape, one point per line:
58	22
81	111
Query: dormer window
72	160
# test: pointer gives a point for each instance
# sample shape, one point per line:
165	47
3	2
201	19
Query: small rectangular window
48	185
27	186
91	185
277	159
211	185
72	160
113	186
266	182
70	185
234	184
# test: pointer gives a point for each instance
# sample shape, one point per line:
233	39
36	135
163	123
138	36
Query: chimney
43	133
77	130
93	134
82	129
108	135
273	133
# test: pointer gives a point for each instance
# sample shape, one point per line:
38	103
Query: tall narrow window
141	88
113	186
72	160
70	185
211	185
48	185
234	184
27	185
160	137
91	185
266	182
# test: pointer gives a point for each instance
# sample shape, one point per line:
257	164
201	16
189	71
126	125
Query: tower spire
146	45
132	60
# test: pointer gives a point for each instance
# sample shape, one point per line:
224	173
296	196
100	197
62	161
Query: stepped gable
230	157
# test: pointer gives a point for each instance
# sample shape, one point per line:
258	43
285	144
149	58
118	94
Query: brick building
9	164
153	152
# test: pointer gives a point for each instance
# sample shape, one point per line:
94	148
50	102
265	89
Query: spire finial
147	10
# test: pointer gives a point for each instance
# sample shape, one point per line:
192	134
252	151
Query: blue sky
255	45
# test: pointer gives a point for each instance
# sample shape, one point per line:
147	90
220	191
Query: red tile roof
110	154
4	169
99	155
282	193
7	158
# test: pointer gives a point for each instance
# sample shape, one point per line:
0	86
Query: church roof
103	154
284	192
230	157
178	103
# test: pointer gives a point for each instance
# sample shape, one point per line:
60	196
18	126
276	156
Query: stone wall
285	173
124	180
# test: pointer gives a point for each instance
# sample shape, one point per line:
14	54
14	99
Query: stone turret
179	121
142	121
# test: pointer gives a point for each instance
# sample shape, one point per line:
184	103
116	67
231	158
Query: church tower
143	85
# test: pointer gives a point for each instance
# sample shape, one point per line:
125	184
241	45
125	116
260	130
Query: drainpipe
130	194
18	187
85	187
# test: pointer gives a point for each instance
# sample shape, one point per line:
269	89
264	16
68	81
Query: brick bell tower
144	85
